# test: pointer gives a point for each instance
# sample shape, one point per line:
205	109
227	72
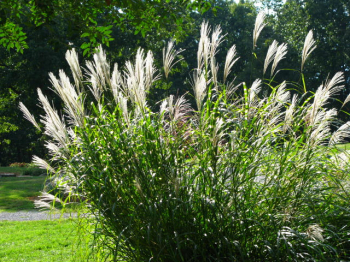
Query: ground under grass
43	241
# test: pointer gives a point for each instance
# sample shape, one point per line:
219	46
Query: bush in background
17	164
245	175
34	172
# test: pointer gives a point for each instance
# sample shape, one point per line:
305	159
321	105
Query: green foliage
20	75
12	36
5	124
85	18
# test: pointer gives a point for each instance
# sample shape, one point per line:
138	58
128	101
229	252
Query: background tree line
34	36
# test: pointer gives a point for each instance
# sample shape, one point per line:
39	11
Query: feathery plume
170	108
41	163
102	68
216	40
341	134
342	159
123	103
289	115
333	85
42	205
96	92
347	99
230	61
231	88
203	52
259	26
48	197
98	72
320	130
72	59
54	151
180	109
323	93
314	232
282	95
73	102
217	132
279	55
28	115
116	82
54	126
254	90
163	108
199	87
45	200
271	52
309	46
276	120
169	56
134	79
150	70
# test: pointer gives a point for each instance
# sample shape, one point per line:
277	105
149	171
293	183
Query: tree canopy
91	20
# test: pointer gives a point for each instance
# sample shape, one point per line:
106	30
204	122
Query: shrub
243	176
17	164
34	172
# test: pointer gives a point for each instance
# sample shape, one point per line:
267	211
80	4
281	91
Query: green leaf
85	45
86	51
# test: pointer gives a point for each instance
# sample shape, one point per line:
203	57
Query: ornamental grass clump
246	173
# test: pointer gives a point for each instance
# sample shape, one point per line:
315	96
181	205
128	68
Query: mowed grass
344	146
55	240
18	193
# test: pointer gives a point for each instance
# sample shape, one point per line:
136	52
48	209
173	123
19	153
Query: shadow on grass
19	193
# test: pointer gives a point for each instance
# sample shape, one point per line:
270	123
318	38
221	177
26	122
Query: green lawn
18	193
344	146
47	241
55	240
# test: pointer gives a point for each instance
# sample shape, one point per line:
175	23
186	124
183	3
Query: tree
330	22
42	51
20	75
83	18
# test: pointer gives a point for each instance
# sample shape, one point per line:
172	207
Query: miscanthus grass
247	173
